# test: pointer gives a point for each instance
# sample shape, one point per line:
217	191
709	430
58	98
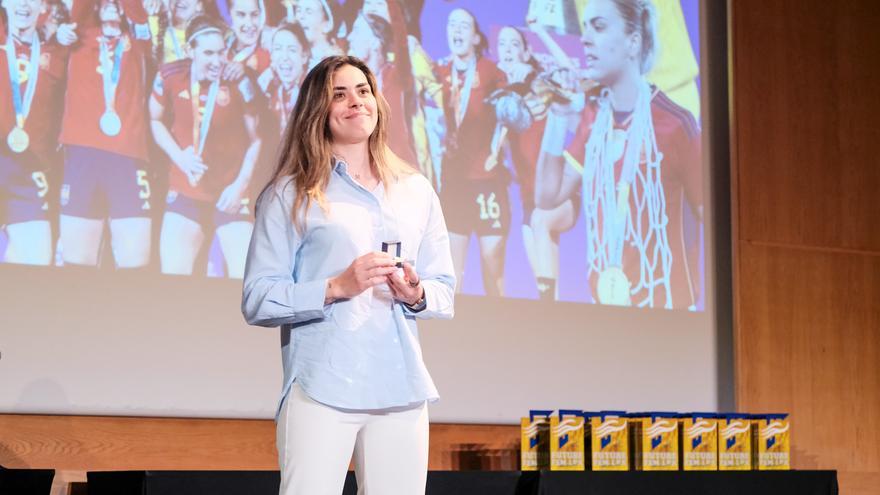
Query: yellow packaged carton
653	439
609	441
567	441
734	443
535	441
699	442
771	442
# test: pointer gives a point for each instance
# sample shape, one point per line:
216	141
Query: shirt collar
339	165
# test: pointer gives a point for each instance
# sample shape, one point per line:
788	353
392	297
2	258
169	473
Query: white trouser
315	445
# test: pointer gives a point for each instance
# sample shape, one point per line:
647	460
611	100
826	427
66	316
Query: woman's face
246	21
461	33
353	109
209	56
377	7
311	16
511	48
23	14
608	48
289	58
184	10
362	43
109	11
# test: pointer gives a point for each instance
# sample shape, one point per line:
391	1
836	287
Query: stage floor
485	483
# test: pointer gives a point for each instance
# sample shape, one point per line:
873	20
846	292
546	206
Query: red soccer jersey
85	105
469	144
678	139
258	61
276	107
42	121
279	105
227	139
524	149
399	138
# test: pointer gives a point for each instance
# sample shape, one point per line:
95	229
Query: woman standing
104	134
208	128
641	166
354	379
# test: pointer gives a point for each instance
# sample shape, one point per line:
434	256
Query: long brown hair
305	155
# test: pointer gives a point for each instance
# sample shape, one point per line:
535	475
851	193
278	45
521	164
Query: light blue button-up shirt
363	352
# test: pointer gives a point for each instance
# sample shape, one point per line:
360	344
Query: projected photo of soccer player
319	22
421	92
279	85
372	40
31	95
474	183
245	53
207	126
104	133
636	157
522	108
168	20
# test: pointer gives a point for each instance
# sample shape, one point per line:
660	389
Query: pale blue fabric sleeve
271	296
434	266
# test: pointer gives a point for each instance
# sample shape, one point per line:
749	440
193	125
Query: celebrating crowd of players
145	118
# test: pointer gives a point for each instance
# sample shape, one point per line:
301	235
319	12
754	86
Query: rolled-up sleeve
271	296
434	266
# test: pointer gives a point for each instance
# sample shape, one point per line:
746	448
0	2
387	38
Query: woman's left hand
231	197
407	288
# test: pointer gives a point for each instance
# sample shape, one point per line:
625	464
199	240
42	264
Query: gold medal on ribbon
614	287
18	139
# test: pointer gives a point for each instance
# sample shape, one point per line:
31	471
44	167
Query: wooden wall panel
82	443
810	345
806	245
808	121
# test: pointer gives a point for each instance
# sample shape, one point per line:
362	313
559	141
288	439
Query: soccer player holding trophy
639	159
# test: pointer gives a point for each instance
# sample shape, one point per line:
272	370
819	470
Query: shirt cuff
313	294
418	307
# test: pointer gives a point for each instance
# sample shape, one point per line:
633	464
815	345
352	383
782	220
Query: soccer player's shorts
205	213
24	191
480	206
99	184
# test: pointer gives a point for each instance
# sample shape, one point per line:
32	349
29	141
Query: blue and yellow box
734	442
653	439
699	442
609	441
567	441
535	441
771	442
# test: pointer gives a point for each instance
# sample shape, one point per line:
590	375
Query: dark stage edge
485	483
26	481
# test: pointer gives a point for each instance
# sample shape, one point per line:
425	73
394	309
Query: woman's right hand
66	34
191	165
152	6
367	271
